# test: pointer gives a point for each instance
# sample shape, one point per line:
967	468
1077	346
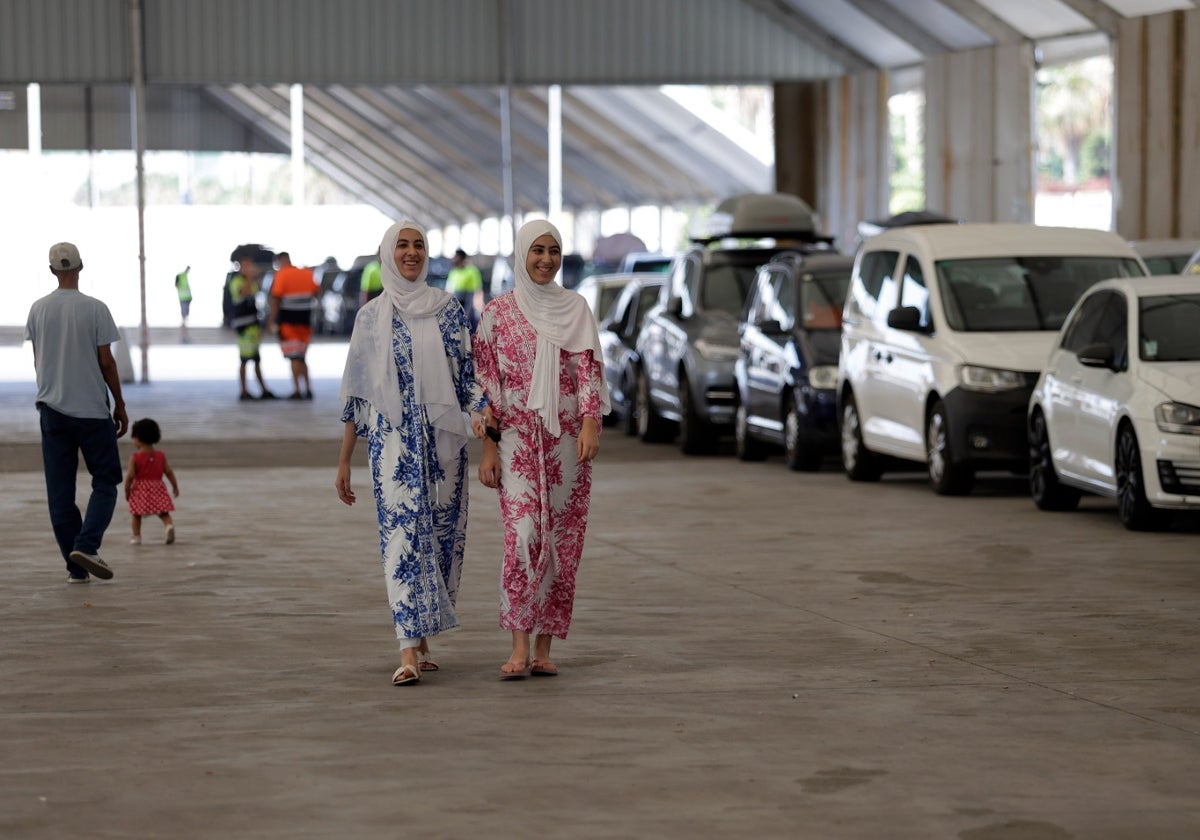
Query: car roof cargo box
871	227
757	215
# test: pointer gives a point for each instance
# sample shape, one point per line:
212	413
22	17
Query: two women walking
536	400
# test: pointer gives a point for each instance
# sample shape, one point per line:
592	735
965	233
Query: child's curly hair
146	430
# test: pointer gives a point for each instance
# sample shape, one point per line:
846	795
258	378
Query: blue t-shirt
67	327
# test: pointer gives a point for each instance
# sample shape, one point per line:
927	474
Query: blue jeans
63	438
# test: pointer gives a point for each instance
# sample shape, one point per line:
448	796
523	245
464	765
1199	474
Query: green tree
1073	102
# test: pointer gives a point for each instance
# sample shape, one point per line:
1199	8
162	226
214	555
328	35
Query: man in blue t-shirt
72	335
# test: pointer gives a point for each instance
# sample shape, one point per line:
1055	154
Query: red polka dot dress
148	494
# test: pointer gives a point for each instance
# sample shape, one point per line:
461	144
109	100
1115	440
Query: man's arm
112	378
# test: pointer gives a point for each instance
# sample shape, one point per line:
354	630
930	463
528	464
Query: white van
945	330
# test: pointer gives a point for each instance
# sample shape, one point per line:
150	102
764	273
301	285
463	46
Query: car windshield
996	294
822	297
1167	328
606	296
726	286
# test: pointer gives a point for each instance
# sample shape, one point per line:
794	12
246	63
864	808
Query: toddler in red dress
144	488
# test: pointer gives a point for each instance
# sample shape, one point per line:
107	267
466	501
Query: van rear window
1021	294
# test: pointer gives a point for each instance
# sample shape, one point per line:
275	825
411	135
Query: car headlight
716	352
989	380
823	376
1180	418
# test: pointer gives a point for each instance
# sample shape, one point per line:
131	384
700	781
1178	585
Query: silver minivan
944	333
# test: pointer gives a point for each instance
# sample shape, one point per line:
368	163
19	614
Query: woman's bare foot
519	663
542	666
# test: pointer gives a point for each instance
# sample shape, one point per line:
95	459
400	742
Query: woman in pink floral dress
537	357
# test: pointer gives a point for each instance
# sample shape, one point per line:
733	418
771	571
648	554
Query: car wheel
748	449
651	427
696	436
1136	512
858	461
629	420
799	454
1048	493
949	478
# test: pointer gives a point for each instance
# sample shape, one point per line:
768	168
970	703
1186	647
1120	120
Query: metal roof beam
811	31
982	17
902	27
1099	13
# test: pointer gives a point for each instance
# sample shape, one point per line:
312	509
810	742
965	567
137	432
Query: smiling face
543	260
410	254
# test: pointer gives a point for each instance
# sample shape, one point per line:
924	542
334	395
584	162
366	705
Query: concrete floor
755	653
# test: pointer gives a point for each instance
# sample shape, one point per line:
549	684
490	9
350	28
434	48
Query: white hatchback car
1116	411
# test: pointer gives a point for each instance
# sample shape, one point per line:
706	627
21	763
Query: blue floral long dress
422	504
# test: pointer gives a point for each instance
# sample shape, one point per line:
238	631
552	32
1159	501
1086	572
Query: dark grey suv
688	343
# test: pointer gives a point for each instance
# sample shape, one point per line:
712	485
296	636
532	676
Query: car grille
719	396
1183	479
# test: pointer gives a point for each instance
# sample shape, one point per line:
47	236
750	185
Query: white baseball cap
65	257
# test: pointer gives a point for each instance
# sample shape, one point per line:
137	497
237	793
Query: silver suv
689	341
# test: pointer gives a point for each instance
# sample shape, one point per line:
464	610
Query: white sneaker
170	534
135	540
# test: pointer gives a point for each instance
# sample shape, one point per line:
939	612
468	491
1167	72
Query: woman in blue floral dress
409	379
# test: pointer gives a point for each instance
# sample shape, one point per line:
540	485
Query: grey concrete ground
755	653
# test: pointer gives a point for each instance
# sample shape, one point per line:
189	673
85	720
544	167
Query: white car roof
1001	239
1162	284
1166	247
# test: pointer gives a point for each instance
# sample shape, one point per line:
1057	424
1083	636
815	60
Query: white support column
33	96
297	145
554	153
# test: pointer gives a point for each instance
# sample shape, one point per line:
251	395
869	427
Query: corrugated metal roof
403	103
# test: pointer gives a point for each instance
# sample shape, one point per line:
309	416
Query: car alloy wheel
1048	493
1132	505
651	428
857	460
748	449
948	477
696	436
797	455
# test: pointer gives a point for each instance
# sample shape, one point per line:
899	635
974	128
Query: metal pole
138	117
297	115
506	119
554	152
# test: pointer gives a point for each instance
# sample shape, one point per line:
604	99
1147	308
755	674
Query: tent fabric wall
979	108
1158	126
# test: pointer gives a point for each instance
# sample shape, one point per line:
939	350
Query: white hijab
371	365
562	320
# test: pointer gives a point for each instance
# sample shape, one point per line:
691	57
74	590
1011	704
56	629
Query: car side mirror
906	318
1098	355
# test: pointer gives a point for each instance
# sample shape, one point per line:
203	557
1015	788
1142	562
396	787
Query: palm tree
1074	101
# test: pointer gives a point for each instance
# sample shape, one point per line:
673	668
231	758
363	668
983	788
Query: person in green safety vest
372	282
184	290
466	283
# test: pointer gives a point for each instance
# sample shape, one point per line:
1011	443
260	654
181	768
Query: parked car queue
944	373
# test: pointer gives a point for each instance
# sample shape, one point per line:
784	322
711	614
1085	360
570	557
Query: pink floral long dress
544	493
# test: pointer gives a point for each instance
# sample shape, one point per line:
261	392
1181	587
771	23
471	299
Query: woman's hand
342	483
589	440
479	424
489	465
